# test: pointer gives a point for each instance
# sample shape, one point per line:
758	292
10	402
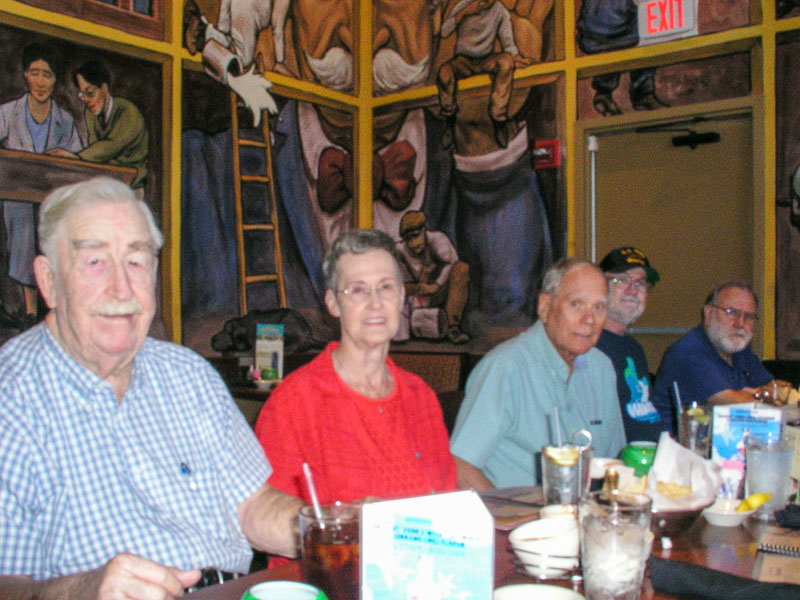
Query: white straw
558	425
677	397
313	491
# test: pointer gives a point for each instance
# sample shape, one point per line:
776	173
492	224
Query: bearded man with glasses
630	278
713	363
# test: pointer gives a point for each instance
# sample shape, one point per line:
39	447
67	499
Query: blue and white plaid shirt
84	477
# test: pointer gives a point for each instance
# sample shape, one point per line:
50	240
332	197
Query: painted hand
253	90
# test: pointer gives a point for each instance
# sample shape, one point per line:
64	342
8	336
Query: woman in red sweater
365	426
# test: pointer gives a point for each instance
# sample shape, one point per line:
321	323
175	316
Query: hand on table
131	577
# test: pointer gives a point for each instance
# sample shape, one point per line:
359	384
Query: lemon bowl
723	513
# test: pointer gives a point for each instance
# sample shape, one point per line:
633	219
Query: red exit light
665	17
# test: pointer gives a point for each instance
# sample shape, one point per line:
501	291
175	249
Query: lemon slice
753	501
564	456
699	415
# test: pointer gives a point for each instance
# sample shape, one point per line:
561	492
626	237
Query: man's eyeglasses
734	314
624	281
89	93
360	293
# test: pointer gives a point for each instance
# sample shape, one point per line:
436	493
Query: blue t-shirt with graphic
639	416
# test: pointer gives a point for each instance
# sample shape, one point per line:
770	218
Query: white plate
526	591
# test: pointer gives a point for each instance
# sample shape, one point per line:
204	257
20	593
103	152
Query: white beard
627	318
722	339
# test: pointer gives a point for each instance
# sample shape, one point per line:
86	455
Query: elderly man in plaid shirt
126	465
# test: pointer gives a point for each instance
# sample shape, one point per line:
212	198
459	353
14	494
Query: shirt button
193	486
417	455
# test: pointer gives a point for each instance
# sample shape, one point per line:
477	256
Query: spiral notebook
778	559
780	540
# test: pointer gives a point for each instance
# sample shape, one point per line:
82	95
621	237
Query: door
689	209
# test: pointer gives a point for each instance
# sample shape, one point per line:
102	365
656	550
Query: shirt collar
79	376
67	367
552	359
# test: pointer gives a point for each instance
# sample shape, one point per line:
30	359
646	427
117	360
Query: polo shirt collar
551	358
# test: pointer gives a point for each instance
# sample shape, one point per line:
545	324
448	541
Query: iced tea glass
331	549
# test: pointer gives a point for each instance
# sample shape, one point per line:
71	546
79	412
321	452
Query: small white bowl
723	513
525	591
547	547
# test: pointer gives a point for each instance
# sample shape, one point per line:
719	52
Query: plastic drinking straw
677	398
313	492
558	426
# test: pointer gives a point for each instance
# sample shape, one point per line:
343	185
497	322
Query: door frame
763	217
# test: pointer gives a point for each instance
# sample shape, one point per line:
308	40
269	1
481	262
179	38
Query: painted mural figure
32	123
433	275
478	24
496	197
117	132
479	196
238	26
603	26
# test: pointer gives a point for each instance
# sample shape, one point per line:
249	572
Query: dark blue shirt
639	417
701	372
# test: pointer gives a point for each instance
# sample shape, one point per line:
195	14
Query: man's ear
706	313
45	279
543	306
332	303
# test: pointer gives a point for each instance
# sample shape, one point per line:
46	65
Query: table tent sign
432	547
731	424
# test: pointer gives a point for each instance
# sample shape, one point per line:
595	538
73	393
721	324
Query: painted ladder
256	212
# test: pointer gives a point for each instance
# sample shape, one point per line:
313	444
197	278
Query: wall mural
60	99
453	180
607	25
787	217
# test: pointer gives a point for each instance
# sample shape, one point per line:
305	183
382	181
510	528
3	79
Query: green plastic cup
639	455
284	590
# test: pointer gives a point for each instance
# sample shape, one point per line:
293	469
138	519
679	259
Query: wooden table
728	549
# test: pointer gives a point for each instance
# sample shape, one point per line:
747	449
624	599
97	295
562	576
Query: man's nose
121	284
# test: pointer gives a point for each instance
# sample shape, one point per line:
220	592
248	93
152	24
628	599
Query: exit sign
670	19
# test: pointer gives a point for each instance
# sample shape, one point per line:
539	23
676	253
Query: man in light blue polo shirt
509	411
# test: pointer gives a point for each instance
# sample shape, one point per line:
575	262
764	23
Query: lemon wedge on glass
563	456
698	414
753	501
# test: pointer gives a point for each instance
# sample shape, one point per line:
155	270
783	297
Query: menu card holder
269	351
439	546
732	423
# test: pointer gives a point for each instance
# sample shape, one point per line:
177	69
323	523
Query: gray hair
737	285
356	241
552	278
61	201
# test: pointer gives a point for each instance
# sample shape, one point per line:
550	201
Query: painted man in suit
32	123
117	131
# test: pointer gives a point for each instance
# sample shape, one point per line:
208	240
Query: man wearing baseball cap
630	278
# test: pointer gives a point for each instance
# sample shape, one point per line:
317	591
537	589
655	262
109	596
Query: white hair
61	201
